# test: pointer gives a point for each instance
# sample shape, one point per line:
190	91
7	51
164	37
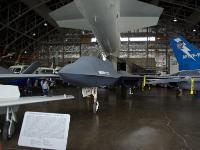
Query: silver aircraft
107	19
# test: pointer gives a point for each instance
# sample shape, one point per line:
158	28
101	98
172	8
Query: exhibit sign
44	130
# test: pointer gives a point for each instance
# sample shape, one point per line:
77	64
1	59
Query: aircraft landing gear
9	125
95	107
92	91
96	103
179	92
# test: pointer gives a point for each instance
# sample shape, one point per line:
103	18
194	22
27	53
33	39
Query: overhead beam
16	39
194	18
42	10
178	3
155	2
13	29
41	37
20	15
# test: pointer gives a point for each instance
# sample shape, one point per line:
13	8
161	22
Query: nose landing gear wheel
95	107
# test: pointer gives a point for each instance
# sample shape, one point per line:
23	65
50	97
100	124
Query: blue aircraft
18	82
188	58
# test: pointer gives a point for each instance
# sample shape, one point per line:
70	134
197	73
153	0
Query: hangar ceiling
24	23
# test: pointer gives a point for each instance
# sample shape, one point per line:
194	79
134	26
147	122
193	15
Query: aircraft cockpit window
47	71
17	70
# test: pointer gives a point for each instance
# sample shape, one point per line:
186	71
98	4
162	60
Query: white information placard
44	130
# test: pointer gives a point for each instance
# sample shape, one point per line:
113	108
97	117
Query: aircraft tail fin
31	68
188	56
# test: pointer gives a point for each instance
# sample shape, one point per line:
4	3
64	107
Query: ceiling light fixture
45	24
83	32
175	20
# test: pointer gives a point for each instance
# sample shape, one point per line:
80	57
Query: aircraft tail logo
187	55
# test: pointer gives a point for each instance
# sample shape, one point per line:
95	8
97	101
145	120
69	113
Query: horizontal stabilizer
75	24
132	23
143	15
66	12
69	16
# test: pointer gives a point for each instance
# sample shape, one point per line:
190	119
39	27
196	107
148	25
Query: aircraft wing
69	16
173	79
11	97
143	15
164	81
16	76
5	102
5	71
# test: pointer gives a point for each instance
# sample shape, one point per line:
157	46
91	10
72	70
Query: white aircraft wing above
5	102
15	76
143	15
74	23
69	16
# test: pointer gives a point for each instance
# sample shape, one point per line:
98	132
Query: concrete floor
152	120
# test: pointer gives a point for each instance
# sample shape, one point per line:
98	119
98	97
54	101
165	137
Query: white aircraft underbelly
104	22
107	19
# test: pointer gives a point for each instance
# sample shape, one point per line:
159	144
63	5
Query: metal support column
63	54
147	50
128	55
80	52
166	52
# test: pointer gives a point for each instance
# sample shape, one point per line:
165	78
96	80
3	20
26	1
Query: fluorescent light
103	57
142	39
45	24
132	39
194	30
175	20
124	39
34	34
94	40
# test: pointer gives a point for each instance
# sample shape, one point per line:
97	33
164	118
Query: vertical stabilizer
187	55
